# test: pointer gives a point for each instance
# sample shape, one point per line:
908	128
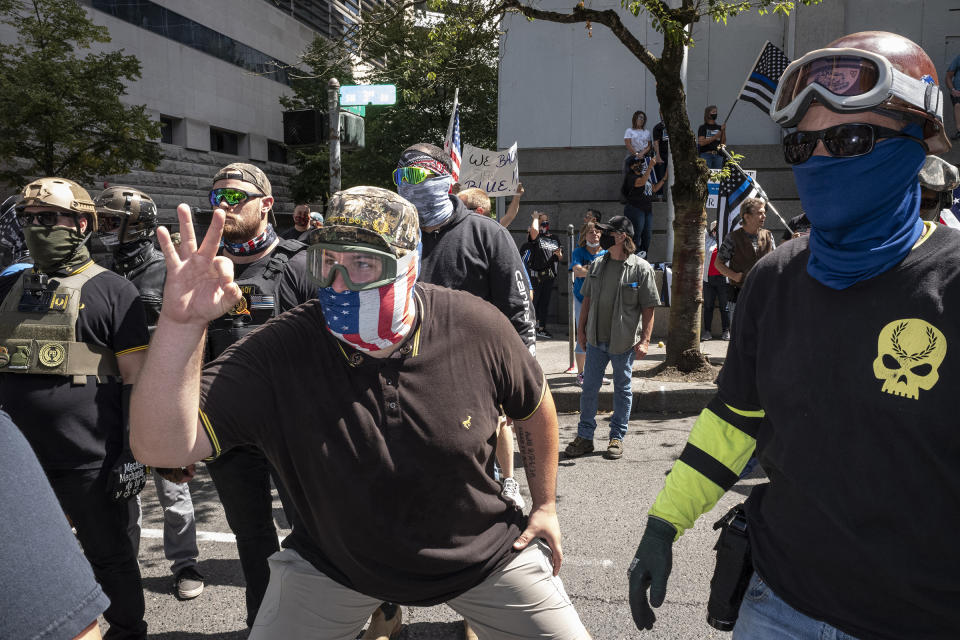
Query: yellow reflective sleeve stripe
205	421
715	454
131	350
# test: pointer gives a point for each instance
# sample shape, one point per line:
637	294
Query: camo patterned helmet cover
371	217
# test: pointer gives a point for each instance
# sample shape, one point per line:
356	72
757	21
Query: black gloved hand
127	478
650	568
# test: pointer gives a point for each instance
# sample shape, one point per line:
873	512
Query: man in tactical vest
127	221
271	274
73	337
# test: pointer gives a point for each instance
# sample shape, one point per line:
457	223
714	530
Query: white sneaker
511	492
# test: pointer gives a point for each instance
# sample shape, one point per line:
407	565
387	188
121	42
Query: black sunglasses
42	218
712	116
846	140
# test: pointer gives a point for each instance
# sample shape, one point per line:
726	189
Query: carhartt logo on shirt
466	423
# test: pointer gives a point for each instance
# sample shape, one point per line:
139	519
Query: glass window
276	152
224	141
166	129
160	20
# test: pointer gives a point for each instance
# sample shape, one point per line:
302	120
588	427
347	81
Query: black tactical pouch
733	571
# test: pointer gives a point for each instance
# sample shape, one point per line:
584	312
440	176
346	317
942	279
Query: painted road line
216	536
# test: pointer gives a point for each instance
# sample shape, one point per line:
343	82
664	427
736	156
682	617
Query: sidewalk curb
662	398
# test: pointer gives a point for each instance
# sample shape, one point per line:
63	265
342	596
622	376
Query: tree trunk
689	195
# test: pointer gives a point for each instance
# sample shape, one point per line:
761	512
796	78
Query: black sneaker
543	333
188	583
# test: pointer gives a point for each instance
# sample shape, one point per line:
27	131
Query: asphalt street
602	506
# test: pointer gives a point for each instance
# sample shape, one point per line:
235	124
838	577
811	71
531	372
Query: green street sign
360	111
364	94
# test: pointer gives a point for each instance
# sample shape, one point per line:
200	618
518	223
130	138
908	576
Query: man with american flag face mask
415	381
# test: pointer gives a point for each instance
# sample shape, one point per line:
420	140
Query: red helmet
866	71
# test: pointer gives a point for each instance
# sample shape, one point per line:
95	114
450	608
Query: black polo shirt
388	461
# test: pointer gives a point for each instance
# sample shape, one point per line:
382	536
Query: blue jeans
642	222
764	615
593	368
714	160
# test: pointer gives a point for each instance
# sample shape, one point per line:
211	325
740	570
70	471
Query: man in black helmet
127	225
841	373
72	338
376	349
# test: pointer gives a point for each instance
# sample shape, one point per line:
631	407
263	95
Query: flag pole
453	112
722	150
745	81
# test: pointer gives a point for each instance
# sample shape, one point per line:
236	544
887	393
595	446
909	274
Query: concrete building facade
212	74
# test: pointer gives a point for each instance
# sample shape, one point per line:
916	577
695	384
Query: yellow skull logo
909	355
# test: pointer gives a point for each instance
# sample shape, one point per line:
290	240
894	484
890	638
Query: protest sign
495	172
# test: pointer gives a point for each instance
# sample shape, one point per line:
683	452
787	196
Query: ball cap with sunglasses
412	378
840	378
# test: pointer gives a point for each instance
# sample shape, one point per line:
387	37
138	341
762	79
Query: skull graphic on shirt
909	354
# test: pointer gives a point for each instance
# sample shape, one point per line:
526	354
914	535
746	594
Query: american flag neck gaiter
377	318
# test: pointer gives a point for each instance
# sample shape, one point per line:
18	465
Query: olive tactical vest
38	320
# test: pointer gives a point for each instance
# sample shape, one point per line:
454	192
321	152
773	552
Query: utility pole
333	95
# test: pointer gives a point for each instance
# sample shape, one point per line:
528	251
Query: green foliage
426	63
61	112
672	22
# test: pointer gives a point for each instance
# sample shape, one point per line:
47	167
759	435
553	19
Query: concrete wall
181	82
559	87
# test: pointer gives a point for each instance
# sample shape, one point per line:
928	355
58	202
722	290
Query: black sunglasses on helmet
846	140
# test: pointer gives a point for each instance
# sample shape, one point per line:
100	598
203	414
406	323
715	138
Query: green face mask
56	249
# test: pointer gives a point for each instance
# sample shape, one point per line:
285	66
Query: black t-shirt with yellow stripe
858	524
74	426
389	462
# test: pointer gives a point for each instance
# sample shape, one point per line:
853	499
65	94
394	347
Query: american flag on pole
734	189
451	143
762	82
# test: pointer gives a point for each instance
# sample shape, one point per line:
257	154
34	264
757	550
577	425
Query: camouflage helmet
370	217
132	212
59	193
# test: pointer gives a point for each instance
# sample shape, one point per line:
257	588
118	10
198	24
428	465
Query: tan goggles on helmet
848	80
361	268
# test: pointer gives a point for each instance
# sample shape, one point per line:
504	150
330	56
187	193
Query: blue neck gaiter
864	211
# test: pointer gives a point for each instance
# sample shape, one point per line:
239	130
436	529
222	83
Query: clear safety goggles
849	81
362	268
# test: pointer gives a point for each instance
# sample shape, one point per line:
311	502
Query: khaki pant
520	601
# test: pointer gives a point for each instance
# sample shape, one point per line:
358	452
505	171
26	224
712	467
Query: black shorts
955	99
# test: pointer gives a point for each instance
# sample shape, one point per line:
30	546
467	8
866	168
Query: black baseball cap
617	223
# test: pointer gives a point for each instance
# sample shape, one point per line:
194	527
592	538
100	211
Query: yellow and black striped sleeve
720	444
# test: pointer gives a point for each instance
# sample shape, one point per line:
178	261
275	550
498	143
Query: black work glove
127	478
650	568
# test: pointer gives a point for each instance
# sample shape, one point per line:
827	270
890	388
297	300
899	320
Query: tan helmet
130	211
60	193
